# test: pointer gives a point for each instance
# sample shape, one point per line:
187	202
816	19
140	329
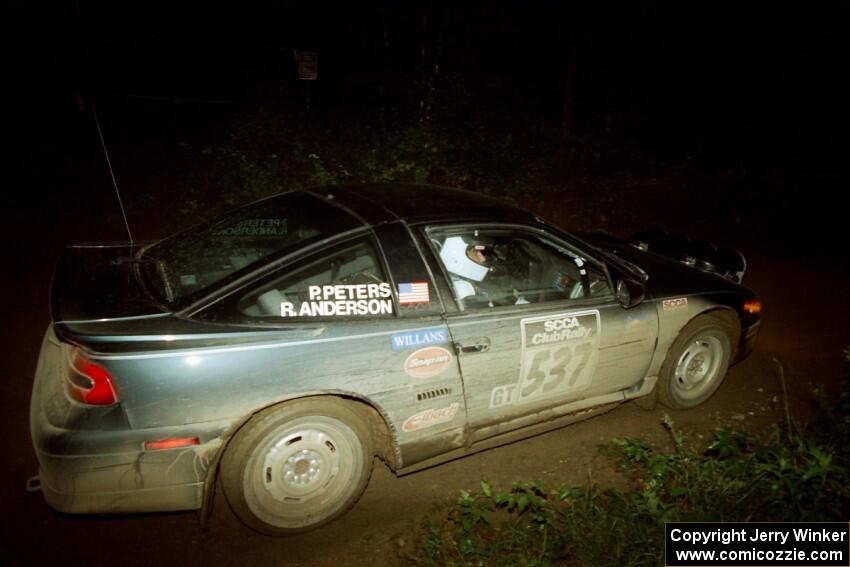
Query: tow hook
34	484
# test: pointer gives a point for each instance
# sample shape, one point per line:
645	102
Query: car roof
377	203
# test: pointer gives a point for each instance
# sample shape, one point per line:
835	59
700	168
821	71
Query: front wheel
697	362
297	466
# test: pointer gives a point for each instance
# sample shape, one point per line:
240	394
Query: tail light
88	382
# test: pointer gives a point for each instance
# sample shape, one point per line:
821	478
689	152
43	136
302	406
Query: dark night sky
759	82
776	67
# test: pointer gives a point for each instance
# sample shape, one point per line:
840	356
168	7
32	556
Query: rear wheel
697	362
297	466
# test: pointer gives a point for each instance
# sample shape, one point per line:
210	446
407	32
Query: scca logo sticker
678	303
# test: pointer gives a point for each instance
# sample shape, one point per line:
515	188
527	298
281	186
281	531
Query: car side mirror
630	293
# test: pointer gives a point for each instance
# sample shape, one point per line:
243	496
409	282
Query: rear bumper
140	481
63	495
89	463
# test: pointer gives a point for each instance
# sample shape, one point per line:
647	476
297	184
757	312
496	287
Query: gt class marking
558	354
502	396
427	362
678	303
430	418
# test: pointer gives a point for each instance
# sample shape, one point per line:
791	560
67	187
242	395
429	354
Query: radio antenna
111	173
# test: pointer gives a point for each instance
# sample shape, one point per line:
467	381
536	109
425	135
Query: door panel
559	355
535	360
539	326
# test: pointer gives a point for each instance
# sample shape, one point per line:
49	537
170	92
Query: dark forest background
610	115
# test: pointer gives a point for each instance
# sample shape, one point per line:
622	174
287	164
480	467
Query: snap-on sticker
427	362
430	418
678	303
418	339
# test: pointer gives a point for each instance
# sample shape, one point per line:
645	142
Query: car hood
99	282
665	276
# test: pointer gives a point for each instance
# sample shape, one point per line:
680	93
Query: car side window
497	267
347	282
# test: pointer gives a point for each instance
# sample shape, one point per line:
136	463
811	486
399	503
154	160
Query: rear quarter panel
177	386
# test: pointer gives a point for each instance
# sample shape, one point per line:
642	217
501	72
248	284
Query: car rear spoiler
727	262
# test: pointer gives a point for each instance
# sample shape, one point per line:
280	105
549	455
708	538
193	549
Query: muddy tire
297	466
697	362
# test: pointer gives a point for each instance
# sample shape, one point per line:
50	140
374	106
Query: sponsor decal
557	330
254	227
427	362
418	339
430	418
503	396
336	300
559	354
678	303
413	293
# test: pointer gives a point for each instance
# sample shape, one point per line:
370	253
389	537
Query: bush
270	149
789	474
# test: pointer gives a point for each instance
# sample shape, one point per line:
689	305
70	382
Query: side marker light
172	443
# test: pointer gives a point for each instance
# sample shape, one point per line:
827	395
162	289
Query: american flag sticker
413	292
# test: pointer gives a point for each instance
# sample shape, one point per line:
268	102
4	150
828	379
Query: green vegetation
789	474
263	150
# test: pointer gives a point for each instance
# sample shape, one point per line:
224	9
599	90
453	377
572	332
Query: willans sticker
427	362
430	418
360	299
416	339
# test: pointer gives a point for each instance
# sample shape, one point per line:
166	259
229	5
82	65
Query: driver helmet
460	258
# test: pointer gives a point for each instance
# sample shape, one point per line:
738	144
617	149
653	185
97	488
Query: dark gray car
282	347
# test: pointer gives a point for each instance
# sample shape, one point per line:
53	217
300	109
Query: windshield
623	263
184	266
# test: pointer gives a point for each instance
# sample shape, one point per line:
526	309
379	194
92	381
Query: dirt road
806	325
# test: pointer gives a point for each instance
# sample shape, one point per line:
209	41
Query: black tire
297	466
697	362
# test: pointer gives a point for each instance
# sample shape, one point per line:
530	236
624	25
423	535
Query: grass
789	473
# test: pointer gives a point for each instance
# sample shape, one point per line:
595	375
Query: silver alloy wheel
302	471
698	368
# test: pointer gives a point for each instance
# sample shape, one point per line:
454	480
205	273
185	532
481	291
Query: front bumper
747	343
100	465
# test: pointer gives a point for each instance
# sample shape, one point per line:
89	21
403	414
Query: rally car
278	350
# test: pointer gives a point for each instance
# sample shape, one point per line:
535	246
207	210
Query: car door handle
475	346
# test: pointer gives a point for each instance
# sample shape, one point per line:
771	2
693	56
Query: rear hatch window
185	266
